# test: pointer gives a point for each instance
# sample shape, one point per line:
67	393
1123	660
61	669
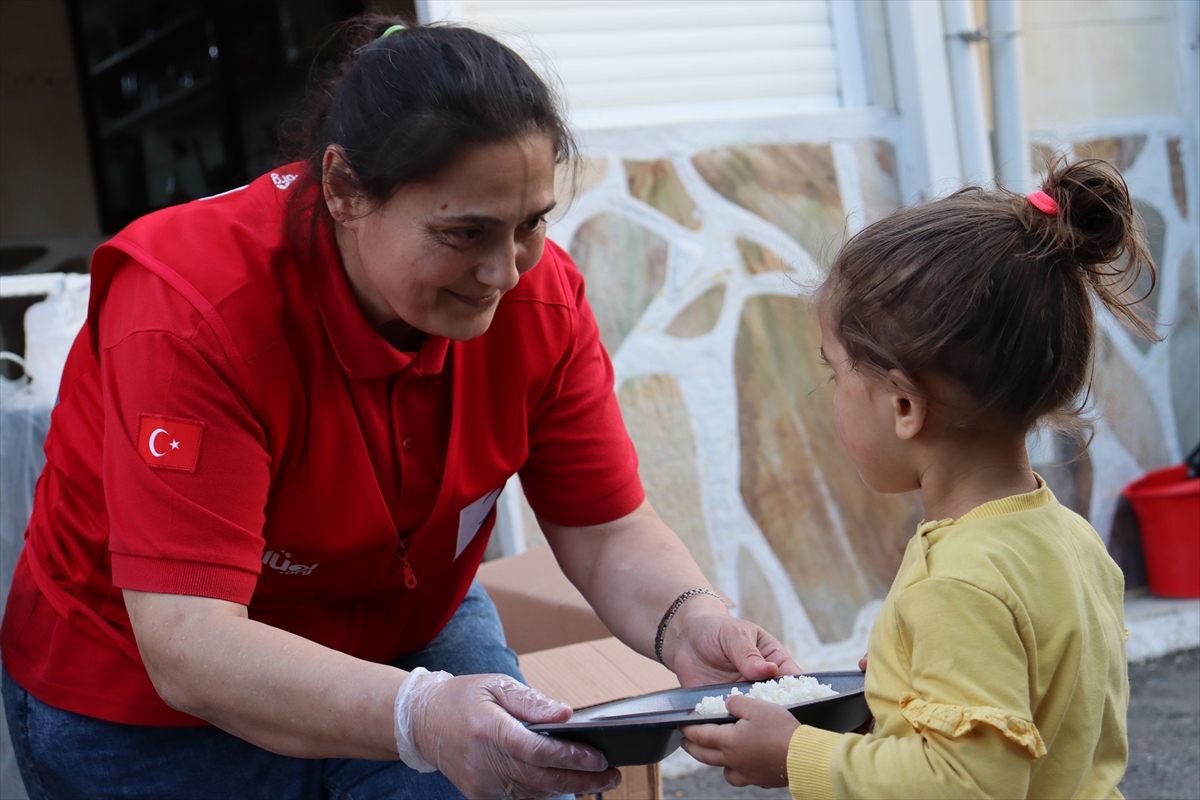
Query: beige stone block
574	179
1069	474
661	428
1042	156
1155	228
758	258
1037	13
1178	177
793	186
1133	69
1058	88
1120	151
1146	289
1184	344
1080	67
757	602
656	183
1127	406
793	467
878	178
624	264
700	316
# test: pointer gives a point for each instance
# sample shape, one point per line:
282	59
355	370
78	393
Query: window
625	62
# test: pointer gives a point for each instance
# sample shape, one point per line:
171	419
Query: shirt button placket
406	444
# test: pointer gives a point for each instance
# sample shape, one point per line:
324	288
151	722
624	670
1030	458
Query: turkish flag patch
169	443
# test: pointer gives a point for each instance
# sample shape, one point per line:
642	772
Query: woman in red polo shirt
272	472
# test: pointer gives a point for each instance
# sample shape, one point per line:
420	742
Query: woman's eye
461	236
535	223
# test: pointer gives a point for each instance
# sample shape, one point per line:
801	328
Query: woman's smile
440	254
484	301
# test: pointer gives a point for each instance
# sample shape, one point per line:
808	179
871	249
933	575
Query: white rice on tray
786	691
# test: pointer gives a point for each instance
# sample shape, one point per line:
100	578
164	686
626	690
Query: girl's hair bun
1096	220
1097	231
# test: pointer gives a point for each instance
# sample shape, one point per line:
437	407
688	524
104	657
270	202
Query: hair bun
1096	223
1097	232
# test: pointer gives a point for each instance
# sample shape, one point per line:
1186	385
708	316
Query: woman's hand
705	645
632	569
296	698
752	750
467	727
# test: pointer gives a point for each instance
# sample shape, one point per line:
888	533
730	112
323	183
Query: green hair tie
390	31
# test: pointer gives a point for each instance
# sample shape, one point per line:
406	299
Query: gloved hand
468	728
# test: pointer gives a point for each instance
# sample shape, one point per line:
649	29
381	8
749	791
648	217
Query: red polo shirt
231	426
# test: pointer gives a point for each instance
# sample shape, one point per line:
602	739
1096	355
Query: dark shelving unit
148	40
184	99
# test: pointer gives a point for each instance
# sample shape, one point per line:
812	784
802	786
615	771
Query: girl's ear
908	407
341	200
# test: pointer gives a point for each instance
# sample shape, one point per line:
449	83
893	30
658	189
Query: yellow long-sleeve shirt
997	667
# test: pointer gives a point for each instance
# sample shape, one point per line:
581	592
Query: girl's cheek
839	417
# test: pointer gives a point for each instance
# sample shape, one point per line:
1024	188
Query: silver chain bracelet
666	620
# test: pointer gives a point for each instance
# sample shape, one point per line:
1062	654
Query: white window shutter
633	62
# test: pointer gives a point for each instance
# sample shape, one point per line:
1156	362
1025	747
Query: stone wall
700	262
1146	394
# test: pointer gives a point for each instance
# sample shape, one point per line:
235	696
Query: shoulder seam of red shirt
206	309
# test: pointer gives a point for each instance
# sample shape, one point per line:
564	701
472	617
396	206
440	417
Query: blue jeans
62	754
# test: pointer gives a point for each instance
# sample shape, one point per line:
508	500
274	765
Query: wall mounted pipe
1013	165
929	161
963	37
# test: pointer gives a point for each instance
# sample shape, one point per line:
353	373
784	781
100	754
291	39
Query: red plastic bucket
1167	505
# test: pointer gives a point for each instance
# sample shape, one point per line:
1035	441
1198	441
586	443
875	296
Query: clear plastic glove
468	728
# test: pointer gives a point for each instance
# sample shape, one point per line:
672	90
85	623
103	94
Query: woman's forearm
630	571
272	688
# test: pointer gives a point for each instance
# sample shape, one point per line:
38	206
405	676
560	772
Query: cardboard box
637	783
539	607
588	673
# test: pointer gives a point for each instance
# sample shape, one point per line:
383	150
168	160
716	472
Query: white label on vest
471	518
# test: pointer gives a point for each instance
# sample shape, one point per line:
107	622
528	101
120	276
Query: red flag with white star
169	443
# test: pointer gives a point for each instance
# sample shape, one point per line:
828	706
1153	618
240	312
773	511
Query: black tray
645	730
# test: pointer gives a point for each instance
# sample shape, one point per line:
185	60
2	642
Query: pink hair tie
1044	203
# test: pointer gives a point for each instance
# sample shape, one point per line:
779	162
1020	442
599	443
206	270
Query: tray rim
692	718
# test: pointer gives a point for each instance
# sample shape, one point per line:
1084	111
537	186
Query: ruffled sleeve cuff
955	721
809	754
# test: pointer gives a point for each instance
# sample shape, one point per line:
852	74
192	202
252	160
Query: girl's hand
752	750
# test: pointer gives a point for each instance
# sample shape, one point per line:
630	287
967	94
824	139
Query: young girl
997	662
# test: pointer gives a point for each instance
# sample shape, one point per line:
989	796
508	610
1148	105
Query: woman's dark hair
987	290
403	106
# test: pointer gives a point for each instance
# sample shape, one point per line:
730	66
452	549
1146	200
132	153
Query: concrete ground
1164	728
1164	739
